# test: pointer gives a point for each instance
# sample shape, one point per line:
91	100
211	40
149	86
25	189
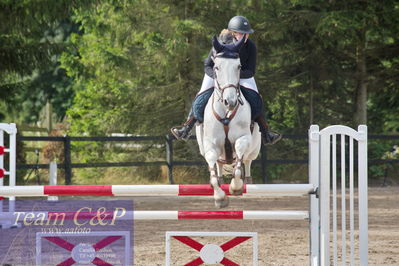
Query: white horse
227	121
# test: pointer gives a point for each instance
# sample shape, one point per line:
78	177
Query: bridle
229	115
235	86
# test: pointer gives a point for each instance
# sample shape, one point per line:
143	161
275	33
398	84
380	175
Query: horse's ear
217	45
239	44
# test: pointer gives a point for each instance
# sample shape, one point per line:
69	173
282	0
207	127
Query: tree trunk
361	88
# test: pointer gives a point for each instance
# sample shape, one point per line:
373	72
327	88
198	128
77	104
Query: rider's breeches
255	101
199	104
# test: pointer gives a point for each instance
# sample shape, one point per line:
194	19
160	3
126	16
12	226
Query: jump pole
156	215
154	190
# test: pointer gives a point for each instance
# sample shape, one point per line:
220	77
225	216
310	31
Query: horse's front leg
221	200
237	185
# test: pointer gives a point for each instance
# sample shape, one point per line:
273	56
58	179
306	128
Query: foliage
32	35
313	49
130	58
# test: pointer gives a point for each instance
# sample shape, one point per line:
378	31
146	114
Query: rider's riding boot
183	132
268	137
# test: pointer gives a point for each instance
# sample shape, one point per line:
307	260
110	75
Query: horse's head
227	71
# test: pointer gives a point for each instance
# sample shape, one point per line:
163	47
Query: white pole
363	204
1	165
10	129
13	162
325	199
314	221
343	200
167	249
52	179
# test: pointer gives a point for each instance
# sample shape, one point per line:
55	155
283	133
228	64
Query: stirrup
172	130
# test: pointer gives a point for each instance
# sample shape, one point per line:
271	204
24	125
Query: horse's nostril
226	102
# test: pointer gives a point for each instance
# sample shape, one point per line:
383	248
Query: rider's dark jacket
247	58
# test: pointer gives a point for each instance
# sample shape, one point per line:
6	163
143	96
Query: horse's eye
239	67
216	68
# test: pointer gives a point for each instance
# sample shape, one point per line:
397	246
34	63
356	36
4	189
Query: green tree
136	64
327	62
32	35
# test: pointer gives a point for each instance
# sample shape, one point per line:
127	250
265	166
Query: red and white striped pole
154	215
153	190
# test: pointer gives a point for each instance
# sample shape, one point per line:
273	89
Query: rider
238	28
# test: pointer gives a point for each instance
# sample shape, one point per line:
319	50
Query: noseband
221	90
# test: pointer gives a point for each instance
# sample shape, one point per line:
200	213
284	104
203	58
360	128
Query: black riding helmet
240	24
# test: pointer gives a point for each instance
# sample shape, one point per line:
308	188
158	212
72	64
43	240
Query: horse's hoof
220	180
236	192
222	203
248	180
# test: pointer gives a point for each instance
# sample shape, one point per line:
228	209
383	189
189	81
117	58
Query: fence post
52	179
263	163
67	160
169	157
